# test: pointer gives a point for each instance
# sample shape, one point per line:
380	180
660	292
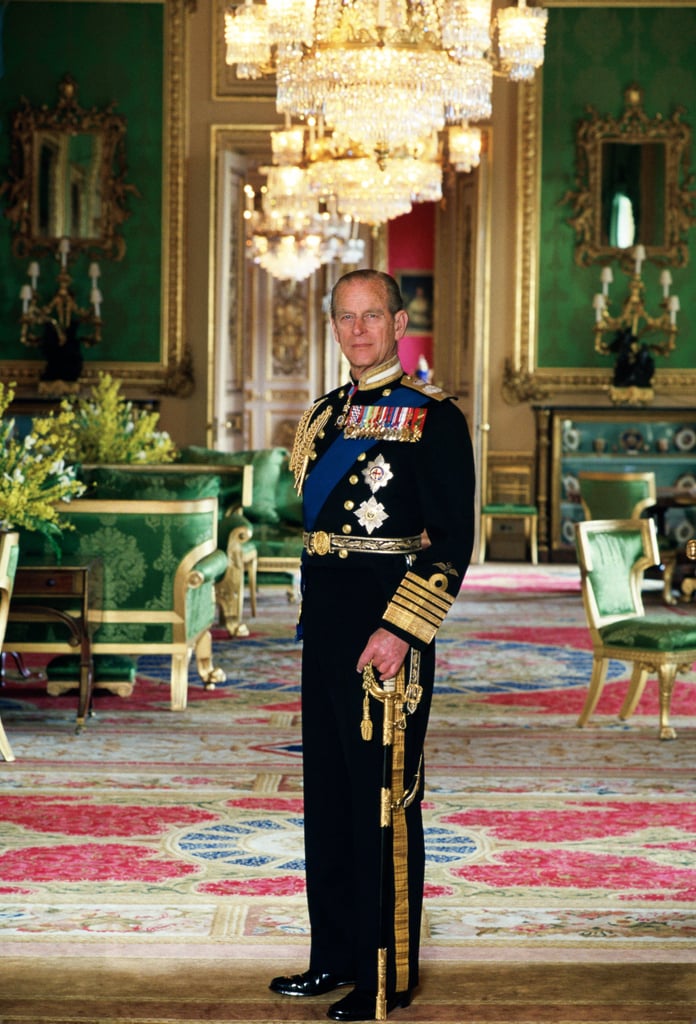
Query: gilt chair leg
639	678
252	576
204	662
179	681
666	674
599	675
5	748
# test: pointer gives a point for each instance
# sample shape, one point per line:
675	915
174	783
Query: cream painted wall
511	427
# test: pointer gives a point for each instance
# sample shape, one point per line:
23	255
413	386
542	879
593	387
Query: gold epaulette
431	390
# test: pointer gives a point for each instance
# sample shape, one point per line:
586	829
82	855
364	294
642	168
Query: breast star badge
377	473
371	514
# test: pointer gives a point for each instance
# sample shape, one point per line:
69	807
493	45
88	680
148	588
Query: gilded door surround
523	380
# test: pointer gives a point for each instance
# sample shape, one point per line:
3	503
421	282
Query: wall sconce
54	326
634	365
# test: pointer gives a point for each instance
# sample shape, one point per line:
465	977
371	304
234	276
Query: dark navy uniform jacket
400	467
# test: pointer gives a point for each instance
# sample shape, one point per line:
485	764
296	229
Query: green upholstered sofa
155	534
274	512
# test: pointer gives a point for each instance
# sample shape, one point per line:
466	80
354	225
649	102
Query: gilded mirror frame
36	131
632	128
523	380
171	374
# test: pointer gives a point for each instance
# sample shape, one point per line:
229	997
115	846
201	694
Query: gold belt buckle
321	542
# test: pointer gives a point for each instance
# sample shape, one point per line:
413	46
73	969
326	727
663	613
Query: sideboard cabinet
616	439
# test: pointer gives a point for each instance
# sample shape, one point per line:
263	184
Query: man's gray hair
395	301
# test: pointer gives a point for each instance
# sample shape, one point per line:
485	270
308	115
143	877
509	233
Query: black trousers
346	883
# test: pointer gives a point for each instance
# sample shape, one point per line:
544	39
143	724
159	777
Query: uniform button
387	391
322	433
362	456
342	553
349	505
312	455
353	479
341	394
346	528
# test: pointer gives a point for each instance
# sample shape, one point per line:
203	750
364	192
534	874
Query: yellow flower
35	472
106	429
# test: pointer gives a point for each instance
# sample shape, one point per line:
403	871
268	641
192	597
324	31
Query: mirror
67	177
632	179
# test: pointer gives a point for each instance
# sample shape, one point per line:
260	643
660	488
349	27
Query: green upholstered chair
606	495
613	554
509	497
274	512
9	552
160	562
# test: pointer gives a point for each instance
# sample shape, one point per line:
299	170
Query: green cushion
613	499
107	668
510	510
653	633
267	463
289	503
612	557
148	485
278	542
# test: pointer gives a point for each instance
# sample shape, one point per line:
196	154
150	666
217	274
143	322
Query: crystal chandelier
386	73
369	190
295	231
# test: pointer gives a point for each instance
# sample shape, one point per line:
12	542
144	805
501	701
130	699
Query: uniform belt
320	543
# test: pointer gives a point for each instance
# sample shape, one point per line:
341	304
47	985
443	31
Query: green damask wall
115	51
593	55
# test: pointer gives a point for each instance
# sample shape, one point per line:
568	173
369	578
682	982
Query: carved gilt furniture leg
204	662
599	675
635	691
5	748
666	674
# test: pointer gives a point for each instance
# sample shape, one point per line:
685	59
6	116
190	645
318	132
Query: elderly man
385	467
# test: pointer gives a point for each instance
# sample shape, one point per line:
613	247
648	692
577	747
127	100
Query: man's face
363	326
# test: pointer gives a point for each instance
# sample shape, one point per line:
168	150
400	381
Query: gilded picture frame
524	381
170	372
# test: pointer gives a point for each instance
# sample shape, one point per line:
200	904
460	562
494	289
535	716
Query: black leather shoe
311	983
361	1005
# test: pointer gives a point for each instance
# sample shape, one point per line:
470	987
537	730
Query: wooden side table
69	594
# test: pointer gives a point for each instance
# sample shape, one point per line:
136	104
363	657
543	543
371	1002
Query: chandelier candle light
295	231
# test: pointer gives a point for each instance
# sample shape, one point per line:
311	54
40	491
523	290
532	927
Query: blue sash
341	455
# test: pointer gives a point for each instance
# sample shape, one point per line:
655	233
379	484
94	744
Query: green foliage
35	472
107	430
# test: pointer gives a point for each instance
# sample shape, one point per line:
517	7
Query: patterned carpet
179	836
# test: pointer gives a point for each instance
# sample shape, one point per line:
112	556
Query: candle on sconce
33	273
63	250
639	257
606	277
96	298
26	295
665	281
94	272
598	306
674	307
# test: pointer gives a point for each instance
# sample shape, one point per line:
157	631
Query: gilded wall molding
524	381
172	374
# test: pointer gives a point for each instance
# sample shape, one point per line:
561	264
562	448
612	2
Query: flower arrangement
106	429
34	471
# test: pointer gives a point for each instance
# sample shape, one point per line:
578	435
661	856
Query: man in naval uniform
386	471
